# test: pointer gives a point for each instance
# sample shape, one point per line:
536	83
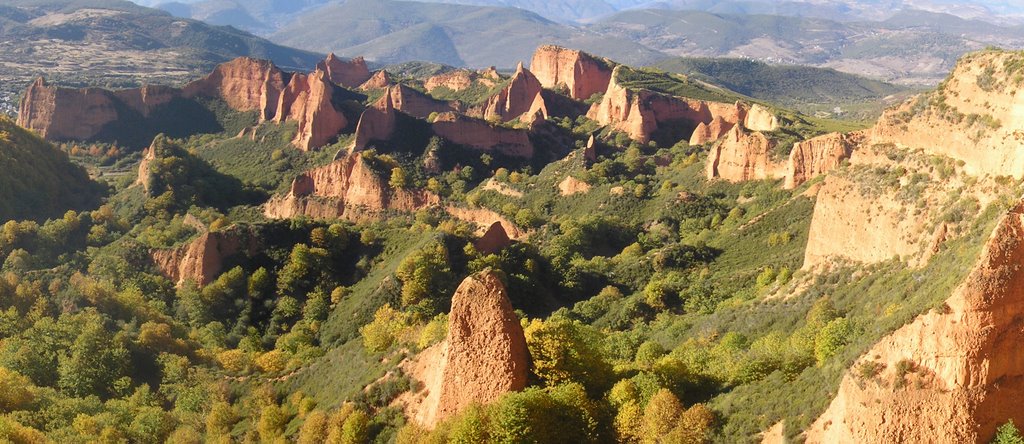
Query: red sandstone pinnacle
350	74
580	73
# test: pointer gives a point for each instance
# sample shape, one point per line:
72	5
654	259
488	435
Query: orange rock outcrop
962	372
350	74
582	74
571	185
308	101
412	102
741	156
494	239
483	136
377	123
710	132
202	260
521	97
760	118
484	356
245	84
640	112
380	80
817	156
346	188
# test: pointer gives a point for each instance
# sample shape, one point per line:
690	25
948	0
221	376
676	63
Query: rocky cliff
640	112
412	102
741	156
378	122
581	74
244	84
202	260
483	357
380	80
460	79
952	375
979	105
347	188
350	74
710	132
817	156
760	118
483	136
520	98
308	101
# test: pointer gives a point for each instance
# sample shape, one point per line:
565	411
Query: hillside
116	43
398	31
39	182
808	89
574	251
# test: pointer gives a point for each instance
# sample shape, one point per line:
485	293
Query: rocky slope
347	188
952	375
483	357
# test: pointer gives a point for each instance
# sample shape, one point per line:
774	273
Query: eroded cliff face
818	155
202	260
710	132
483	136
308	101
976	116
77	114
521	98
412	102
582	74
350	74
378	122
640	112
966	374
245	84
380	80
760	118
483	357
742	156
347	188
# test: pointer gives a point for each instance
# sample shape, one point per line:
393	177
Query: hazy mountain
396	31
117	43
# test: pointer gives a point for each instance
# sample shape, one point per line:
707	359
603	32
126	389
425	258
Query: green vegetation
676	85
38	181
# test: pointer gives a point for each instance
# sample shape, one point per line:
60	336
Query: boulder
582	74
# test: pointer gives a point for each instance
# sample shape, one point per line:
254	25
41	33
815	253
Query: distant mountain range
889	40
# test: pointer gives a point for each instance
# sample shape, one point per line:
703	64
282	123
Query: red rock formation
639	113
817	156
202	260
968	372
582	74
710	132
347	188
308	101
494	239
479	134
456	80
572	185
741	156
759	118
520	98
78	114
246	84
380	80
349	74
412	102
484	218
378	122
484	356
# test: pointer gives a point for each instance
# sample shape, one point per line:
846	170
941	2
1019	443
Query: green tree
426	277
660	416
399	178
832	338
95	361
565	351
1008	434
